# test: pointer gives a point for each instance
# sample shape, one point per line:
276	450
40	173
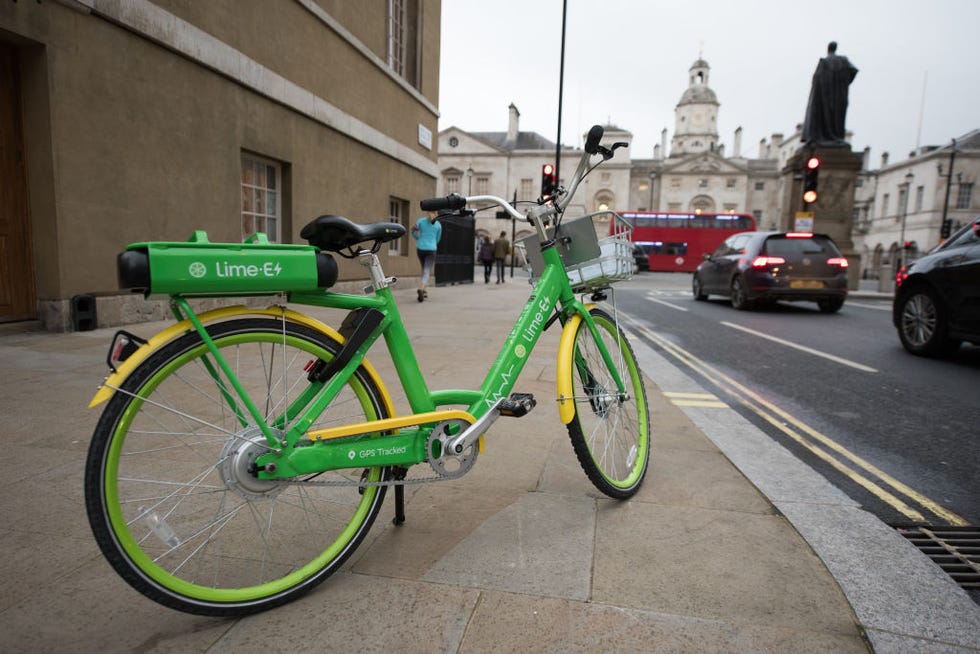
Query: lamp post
905	212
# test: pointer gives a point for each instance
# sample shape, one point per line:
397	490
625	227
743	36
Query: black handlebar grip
452	201
592	141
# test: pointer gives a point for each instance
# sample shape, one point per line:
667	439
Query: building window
703	182
884	205
403	39
759	186
920	192
452	184
675	182
729	207
730	182
757	214
482	185
965	196
397	213
673	207
261	197
527	188
903	202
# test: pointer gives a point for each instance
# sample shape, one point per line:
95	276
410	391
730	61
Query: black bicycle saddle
336	233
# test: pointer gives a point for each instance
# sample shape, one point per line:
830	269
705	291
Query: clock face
453	141
697	118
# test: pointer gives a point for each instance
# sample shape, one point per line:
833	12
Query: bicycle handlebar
452	201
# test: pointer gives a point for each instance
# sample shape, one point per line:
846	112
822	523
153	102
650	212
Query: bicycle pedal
517	405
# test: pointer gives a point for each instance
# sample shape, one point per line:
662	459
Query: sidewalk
520	555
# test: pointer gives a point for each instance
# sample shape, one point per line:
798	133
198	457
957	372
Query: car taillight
901	276
765	262
837	261
799	235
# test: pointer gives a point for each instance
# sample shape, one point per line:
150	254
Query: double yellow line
861	472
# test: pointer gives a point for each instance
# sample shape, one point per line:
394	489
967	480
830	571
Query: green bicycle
243	454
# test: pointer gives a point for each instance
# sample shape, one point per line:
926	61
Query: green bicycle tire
158	501
611	438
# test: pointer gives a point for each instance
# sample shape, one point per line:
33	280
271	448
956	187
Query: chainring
445	464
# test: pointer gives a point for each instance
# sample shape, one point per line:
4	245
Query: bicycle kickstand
399	475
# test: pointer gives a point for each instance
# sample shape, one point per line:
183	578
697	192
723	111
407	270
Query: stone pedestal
833	212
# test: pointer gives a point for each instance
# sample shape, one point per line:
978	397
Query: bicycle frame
334	449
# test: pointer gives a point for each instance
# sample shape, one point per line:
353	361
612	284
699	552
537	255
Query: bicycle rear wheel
167	488
610	434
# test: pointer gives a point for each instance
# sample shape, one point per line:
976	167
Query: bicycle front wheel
168	490
609	432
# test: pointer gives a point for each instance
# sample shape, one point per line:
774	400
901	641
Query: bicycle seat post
373	264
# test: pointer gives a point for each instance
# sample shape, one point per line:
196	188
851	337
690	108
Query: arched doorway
702	204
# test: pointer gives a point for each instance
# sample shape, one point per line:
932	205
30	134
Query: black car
937	298
758	267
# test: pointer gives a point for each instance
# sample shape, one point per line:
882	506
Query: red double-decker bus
675	242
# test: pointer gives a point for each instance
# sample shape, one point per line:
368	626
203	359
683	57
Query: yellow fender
563	384
157	341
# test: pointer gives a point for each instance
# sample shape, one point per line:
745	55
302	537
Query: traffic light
810	172
946	229
548	180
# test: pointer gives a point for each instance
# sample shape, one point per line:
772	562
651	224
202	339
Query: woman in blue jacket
427	233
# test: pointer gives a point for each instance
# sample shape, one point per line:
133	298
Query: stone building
509	165
906	202
149	119
695	175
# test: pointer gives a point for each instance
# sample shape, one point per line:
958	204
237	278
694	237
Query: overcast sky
627	62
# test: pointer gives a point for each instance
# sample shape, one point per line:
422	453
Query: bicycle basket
592	263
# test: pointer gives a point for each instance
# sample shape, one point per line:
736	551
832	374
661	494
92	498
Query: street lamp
905	212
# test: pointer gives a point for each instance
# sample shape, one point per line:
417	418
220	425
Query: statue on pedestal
825	111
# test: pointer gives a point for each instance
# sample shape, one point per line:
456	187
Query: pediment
454	140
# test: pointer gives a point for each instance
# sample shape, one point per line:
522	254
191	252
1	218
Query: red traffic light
811	169
548	180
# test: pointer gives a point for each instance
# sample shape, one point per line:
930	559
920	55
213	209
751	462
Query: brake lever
607	153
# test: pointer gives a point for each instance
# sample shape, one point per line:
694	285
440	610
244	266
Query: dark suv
754	267
937	298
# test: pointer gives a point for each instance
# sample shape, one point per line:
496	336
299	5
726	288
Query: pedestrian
427	232
485	256
501	248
